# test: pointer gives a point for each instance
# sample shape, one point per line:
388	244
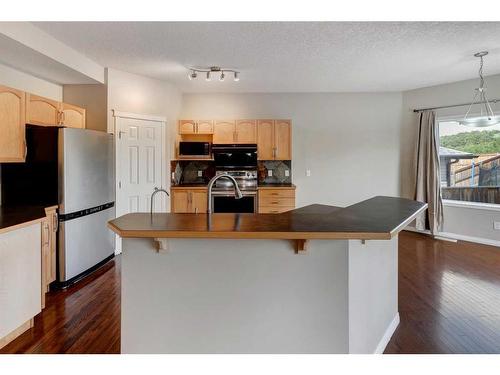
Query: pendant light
487	118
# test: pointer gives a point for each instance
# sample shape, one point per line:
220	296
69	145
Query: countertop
376	218
260	186
13	217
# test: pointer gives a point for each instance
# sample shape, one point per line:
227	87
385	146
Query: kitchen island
318	279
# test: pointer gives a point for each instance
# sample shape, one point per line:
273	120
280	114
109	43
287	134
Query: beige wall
350	142
26	82
137	94
94	99
460	221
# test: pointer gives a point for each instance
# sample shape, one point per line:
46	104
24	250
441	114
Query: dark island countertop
376	218
13	217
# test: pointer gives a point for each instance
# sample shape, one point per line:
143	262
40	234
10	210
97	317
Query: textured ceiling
290	56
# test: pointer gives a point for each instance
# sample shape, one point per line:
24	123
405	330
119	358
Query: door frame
163	158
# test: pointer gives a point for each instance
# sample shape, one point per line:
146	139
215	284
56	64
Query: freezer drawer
84	242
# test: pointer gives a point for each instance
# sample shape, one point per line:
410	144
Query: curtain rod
452	106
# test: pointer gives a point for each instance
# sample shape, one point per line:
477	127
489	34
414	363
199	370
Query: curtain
428	185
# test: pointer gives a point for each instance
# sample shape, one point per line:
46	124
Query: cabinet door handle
46	243
56	221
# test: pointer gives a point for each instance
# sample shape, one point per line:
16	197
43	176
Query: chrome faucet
157	190
237	191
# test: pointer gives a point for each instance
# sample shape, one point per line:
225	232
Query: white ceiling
290	56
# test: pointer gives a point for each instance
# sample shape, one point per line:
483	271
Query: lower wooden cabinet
275	201
20	275
185	200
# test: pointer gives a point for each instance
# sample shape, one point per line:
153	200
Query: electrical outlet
496	225
308	172
287	173
270	172
200	173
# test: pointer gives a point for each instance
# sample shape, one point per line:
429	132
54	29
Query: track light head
208	78
192	75
222	76
236	76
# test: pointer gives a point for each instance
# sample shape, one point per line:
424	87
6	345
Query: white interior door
139	161
140	165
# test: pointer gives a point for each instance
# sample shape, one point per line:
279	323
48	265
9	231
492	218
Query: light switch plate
496	225
308	172
200	173
287	173
270	172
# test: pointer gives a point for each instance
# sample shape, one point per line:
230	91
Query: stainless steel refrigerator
73	168
86	201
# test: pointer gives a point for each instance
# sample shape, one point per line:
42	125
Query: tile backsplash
192	171
275	171
200	171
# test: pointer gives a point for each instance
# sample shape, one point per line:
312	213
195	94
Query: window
469	162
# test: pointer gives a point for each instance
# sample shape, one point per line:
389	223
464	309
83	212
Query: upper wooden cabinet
273	137
72	116
265	139
224	132
274	140
204	127
282	140
196	127
47	112
42	111
12	125
239	132
245	131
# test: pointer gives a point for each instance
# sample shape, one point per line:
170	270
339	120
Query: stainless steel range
223	199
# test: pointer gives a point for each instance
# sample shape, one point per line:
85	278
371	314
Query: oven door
223	202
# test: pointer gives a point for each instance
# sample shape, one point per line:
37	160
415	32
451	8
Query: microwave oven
190	149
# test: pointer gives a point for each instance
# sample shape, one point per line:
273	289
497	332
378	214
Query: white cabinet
20	277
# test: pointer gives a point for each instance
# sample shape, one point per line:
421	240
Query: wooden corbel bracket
300	246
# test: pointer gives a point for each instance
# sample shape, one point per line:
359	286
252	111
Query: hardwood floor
449	297
449	302
84	318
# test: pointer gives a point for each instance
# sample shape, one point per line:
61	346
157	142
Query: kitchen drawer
276	201
277	193
274	209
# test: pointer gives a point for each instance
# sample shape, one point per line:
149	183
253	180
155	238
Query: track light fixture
213	69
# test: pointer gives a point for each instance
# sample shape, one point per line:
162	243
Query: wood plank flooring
449	297
449	302
84	318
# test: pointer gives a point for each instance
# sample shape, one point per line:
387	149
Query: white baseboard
387	335
484	241
447	236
